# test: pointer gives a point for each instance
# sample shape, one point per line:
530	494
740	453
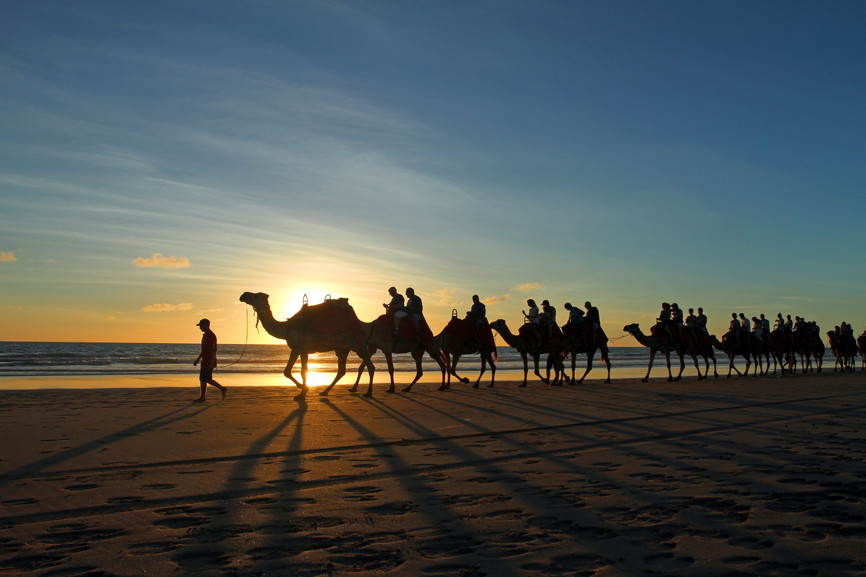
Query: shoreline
319	379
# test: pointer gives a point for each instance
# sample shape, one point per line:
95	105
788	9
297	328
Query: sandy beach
741	476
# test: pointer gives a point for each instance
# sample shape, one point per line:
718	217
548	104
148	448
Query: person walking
208	360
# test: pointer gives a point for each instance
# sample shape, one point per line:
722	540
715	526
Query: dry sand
741	476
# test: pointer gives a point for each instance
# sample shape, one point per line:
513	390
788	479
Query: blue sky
627	153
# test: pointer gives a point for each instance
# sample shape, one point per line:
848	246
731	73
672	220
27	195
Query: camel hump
331	316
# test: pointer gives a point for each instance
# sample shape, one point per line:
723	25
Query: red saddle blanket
464	331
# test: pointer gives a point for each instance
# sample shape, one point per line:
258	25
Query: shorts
205	374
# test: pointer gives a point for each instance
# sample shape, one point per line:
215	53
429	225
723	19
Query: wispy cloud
168	308
528	287
157	260
445	297
7	257
496	299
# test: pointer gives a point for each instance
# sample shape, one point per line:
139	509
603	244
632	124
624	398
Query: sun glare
290	301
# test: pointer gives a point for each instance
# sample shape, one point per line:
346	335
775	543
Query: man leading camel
208	360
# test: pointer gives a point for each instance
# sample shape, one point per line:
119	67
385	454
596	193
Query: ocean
43	359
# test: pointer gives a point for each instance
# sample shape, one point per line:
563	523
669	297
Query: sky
159	158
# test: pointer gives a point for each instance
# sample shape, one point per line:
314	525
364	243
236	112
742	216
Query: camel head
631	329
498	325
255	300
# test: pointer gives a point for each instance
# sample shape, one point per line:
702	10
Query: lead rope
246	338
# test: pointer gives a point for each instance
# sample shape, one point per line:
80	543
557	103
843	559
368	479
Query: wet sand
741	476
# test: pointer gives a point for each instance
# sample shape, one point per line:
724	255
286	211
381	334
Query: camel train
333	326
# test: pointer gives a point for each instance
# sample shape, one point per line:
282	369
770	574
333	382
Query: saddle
406	329
464	331
334	316
545	338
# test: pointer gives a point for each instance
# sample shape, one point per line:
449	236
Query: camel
782	351
666	349
523	348
381	337
806	346
575	345
330	326
730	348
454	342
844	350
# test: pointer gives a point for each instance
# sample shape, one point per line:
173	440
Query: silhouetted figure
664	321
396	308
593	321
702	322
533	318
415	309
477	313
548	318
575	317
208	359
734	329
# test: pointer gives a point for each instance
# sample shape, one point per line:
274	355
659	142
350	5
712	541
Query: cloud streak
157	260
7	257
167	308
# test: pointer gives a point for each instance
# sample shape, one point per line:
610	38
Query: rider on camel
664	320
478	313
593	321
533	317
677	321
734	328
548	318
702	324
395	308
575	318
415	308
691	324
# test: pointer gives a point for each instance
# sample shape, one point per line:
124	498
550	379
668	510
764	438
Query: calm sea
39	359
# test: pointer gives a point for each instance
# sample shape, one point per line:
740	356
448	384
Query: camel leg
341	370
418	372
589	355
288	373
361	368
588	368
441	361
731	366
668	361
682	367
525	367
446	385
389	358
463	380
650	367
697	366
492	369
481	374
535	364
